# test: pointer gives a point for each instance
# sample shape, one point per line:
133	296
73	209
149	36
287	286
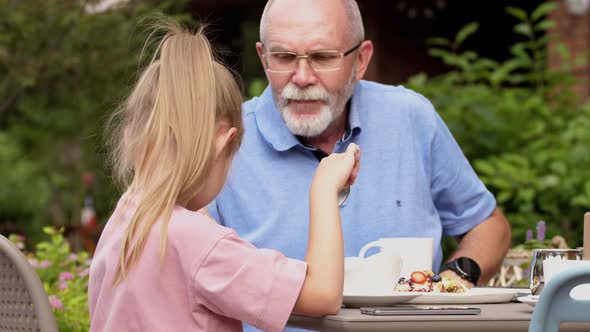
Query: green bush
62	71
518	123
65	278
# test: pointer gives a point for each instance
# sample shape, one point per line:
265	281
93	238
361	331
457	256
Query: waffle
428	282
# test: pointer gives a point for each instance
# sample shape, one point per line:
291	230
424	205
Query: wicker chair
24	305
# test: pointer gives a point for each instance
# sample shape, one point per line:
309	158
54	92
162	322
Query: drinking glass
537	280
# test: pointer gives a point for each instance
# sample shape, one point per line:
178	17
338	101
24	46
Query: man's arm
487	244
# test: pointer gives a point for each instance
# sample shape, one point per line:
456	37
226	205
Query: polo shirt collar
271	123
277	134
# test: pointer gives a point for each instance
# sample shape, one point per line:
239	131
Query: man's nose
304	75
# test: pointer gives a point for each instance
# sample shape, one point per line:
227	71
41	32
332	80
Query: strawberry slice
418	277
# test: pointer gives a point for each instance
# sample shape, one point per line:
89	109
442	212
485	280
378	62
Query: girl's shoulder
194	221
194	230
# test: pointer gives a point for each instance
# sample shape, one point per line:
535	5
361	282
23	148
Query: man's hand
452	275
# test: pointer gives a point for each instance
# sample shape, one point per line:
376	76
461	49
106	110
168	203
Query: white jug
416	252
374	275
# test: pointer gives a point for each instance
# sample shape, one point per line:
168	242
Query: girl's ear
223	136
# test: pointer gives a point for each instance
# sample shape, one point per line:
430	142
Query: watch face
469	267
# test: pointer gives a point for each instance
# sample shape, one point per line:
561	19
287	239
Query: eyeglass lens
323	61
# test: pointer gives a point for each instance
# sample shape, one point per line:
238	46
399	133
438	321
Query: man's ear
223	136
260	51
363	59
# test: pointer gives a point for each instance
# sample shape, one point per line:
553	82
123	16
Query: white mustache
291	91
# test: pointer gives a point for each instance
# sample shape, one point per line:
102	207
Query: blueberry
401	280
436	278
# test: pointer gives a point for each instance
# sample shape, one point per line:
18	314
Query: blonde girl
162	266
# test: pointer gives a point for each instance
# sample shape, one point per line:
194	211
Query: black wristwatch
465	267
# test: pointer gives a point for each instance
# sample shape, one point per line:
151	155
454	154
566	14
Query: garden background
65	65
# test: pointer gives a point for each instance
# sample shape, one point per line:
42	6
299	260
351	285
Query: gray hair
351	9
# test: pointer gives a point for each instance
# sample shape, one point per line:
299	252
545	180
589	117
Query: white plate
357	301
530	300
472	296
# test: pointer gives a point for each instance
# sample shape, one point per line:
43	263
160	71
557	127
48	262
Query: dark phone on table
414	310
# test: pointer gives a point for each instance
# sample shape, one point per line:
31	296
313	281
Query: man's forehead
301	42
300	18
304	24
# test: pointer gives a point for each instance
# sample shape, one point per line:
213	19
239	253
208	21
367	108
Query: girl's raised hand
339	170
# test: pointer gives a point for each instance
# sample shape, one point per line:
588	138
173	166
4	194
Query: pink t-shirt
210	279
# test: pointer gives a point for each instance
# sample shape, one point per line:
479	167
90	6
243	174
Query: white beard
309	126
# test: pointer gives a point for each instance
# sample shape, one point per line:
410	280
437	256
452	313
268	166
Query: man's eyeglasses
319	61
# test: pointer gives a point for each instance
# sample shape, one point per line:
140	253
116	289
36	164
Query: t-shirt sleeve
257	286
460	197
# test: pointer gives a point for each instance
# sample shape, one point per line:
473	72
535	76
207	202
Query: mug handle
369	246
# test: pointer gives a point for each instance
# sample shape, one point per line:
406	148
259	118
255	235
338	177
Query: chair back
24	305
555	305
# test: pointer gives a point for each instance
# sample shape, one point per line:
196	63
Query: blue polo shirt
414	180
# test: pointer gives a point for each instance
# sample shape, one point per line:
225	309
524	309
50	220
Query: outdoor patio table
506	317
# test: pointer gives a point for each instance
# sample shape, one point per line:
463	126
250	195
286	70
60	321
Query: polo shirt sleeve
213	211
460	197
256	286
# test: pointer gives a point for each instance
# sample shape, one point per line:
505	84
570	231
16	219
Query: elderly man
415	180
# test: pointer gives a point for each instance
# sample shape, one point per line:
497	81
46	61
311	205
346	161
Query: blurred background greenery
63	69
65	65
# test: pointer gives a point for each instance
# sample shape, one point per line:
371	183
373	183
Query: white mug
374	275
416	252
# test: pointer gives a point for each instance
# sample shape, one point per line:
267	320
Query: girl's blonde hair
163	146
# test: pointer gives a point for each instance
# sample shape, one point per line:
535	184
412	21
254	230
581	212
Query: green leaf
484	167
438	41
503	71
523	29
519	51
545	25
543	40
504	197
518	13
543	10
43	246
465	32
516	159
49	230
486	63
501	183
580	200
558	167
549	181
418	80
439	53
469	56
562	50
526	194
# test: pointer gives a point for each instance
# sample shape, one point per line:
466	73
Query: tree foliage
63	69
519	124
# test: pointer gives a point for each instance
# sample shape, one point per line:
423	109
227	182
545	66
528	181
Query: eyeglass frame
308	59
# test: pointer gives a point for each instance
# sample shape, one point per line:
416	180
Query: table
512	316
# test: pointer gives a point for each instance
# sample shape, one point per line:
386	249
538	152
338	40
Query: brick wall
574	32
